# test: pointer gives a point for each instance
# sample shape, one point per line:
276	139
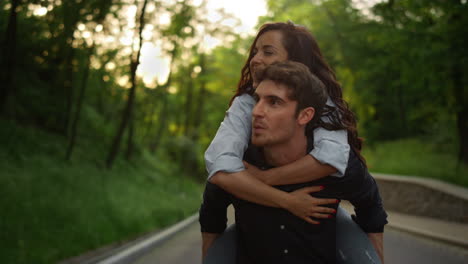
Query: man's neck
288	152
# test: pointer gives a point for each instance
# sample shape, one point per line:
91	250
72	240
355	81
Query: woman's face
268	49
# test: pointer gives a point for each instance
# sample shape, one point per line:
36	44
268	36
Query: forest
108	105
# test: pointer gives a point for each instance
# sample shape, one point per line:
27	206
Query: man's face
274	115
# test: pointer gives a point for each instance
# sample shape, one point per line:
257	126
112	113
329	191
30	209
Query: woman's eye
268	53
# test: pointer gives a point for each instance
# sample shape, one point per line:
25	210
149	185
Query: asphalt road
399	248
403	248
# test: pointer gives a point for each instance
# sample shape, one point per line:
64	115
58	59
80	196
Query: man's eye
268	53
255	97
274	101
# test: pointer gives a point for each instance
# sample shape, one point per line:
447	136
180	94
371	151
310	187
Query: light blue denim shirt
232	139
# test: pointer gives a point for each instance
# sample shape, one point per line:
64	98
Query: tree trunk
68	87
130	136
76	117
197	118
461	112
9	56
188	107
152	106
64	86
402	111
457	46
462	127
163	113
162	124
128	111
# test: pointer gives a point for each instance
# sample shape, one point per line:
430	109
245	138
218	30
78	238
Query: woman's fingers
321	201
310	220
324	210
323	216
311	189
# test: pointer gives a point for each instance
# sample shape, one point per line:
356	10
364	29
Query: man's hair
304	87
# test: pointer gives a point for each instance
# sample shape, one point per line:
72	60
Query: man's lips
257	127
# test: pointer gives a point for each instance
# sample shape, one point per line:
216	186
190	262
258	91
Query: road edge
146	244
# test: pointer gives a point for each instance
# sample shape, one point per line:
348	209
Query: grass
52	209
417	157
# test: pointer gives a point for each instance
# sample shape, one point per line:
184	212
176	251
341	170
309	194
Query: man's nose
258	110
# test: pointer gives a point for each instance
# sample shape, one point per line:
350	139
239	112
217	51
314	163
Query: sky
247	11
154	67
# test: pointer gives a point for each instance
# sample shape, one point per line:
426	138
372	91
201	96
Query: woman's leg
223	251
352	244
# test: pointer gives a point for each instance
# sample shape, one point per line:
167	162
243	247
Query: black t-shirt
274	235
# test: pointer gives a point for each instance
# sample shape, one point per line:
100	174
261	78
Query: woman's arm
328	157
232	138
299	203
305	169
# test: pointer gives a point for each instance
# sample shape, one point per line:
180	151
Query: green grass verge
52	209
417	157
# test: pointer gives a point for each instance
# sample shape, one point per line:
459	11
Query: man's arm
208	240
377	241
360	188
213	215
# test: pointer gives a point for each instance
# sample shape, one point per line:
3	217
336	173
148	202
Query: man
289	100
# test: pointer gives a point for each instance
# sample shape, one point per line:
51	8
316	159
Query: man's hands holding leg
377	241
207	241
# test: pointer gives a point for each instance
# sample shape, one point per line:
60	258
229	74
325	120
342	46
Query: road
399	247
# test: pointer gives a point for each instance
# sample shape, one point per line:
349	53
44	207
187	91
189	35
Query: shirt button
285	251
282	226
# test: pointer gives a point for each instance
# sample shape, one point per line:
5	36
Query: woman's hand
304	206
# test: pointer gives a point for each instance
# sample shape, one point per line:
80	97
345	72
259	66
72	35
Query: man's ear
305	115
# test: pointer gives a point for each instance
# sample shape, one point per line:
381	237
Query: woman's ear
305	115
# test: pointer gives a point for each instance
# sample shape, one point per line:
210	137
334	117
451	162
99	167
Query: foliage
417	157
46	199
400	62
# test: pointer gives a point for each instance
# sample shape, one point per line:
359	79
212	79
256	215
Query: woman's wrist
285	201
269	176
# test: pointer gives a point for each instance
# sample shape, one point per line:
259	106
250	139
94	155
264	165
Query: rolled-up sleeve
363	193
232	138
332	148
368	206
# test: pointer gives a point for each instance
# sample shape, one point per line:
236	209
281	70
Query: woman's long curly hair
302	47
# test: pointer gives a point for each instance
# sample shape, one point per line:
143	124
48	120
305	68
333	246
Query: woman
279	42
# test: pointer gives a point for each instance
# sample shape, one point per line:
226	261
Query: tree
128	111
9	51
